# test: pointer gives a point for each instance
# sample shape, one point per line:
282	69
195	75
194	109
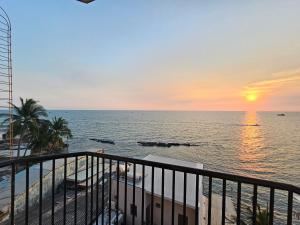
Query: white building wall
190	212
138	200
178	209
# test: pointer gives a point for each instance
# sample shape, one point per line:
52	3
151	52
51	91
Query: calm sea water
259	144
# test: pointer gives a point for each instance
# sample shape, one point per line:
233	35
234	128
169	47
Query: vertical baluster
65	192
102	197
162	195
224	202
41	195
209	199
97	192
184	198
173	196
290	208
76	190
254	204
143	192
133	195
238	207
109	193
125	197
27	194
271	213
53	193
152	194
92	187
12	194
86	188
197	201
224	190
118	189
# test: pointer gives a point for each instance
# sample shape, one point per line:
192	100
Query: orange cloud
268	87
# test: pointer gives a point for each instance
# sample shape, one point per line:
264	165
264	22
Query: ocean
256	144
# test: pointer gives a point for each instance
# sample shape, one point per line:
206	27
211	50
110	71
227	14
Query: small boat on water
250	125
280	114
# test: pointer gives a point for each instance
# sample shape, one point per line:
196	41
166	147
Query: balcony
95	188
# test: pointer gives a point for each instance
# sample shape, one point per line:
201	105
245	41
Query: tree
50	136
38	139
26	119
32	127
59	130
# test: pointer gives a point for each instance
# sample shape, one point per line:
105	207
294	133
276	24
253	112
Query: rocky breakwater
165	144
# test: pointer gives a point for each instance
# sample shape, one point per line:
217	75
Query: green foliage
262	215
51	136
32	127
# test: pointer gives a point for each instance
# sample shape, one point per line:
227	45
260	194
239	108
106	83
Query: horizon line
166	110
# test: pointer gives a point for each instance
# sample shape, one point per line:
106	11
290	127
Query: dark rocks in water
147	143
104	141
152	144
164	144
174	144
107	141
187	144
94	139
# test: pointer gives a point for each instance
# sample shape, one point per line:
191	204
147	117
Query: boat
280	114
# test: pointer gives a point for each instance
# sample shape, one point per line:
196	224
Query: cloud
282	81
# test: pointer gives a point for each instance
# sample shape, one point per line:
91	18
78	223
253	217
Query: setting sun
251	97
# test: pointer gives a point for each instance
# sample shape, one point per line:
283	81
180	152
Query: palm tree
38	139
58	129
50	136
26	119
39	134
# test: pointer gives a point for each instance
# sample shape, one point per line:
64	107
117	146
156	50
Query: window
181	220
157	205
133	210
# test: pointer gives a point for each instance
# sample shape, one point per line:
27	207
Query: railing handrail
41	158
203	172
196	171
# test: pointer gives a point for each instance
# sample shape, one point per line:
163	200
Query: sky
157	55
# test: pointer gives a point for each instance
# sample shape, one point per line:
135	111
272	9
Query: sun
251	97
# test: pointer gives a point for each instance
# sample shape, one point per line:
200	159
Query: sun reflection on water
252	155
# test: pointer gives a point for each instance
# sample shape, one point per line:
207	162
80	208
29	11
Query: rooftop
179	179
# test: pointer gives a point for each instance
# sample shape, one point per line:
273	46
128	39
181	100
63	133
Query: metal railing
91	188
